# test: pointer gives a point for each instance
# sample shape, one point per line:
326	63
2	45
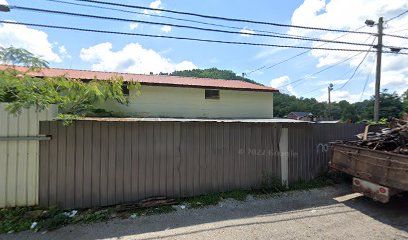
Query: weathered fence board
19	150
106	163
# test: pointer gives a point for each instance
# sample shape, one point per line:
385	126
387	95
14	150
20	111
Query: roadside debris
393	139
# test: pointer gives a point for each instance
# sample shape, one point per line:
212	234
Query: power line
322	70
299	54
320	88
221	18
181	26
167	17
354	73
366	82
399	15
183	38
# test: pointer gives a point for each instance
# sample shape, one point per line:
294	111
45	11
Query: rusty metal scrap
393	139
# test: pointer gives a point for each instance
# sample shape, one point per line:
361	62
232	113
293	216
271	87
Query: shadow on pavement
393	213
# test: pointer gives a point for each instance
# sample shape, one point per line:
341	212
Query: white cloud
166	29
281	82
63	52
337	96
32	40
133	26
330	14
155	4
132	58
277	82
245	32
335	82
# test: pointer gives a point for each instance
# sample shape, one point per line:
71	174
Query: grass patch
154	210
14	220
22	218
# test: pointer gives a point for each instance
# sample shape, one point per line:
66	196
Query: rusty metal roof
161	80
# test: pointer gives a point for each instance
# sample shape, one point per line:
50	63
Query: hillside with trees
212	73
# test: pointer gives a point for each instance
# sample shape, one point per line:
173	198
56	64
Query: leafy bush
75	98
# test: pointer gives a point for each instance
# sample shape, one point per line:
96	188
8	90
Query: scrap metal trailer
376	174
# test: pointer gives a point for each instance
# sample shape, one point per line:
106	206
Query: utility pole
378	71
329	89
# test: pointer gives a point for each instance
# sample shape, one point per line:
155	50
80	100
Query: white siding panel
19	159
159	101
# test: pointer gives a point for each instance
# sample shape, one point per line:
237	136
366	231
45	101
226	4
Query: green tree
75	98
19	56
405	101
212	73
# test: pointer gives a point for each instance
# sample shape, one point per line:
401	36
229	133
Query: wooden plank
96	164
87	194
135	161
208	157
127	158
202	159
62	153
169	126
33	156
142	155
22	164
156	159
53	183
120	135
234	156
162	158
79	164
249	159
104	173
43	166
112	164
214	157
183	159
226	163
190	158
70	171
150	192
177	160
196	159
3	156
12	149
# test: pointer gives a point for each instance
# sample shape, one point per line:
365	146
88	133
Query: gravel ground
324	213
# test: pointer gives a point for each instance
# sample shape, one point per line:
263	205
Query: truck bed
384	168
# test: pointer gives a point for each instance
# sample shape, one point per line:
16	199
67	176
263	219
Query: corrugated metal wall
93	163
309	146
19	158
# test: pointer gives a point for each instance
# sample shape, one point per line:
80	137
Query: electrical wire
399	15
366	82
354	73
180	26
167	17
297	55
324	69
187	38
221	18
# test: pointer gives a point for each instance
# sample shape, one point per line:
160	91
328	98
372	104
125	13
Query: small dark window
125	89
212	94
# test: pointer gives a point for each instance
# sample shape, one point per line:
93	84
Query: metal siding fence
101	163
93	163
19	158
309	146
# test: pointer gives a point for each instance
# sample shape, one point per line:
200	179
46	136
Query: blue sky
79	50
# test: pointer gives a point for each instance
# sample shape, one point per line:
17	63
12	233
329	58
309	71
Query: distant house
183	97
304	116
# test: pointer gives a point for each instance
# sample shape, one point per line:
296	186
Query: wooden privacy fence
100	163
19	155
